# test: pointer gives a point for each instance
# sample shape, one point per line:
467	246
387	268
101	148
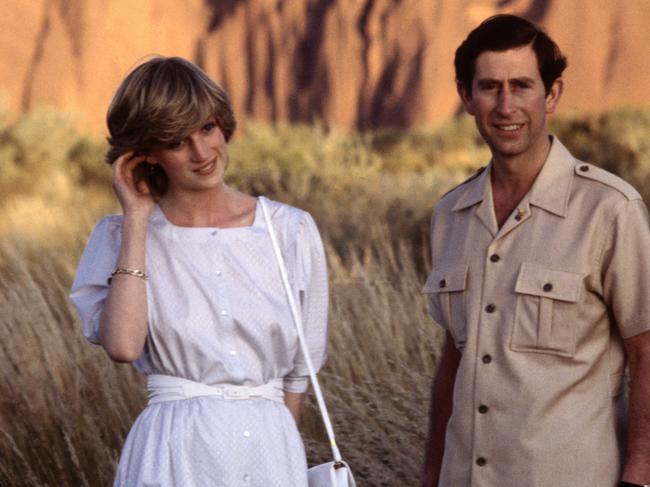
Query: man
541	271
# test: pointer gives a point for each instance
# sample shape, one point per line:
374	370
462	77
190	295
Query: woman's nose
200	150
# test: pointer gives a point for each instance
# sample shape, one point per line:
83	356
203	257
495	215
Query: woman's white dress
218	314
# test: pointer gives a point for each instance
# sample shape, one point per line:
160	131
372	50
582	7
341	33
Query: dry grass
65	409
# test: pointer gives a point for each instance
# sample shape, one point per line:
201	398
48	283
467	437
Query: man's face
509	102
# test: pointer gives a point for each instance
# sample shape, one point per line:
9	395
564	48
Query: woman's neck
219	207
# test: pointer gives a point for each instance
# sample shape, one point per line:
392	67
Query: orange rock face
353	63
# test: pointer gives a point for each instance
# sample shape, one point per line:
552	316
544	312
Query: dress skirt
215	442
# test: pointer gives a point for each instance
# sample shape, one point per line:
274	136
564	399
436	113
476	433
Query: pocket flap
446	280
549	283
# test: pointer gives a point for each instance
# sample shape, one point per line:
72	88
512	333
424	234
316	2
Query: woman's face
196	163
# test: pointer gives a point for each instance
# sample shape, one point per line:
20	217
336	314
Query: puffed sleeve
626	269
90	286
311	281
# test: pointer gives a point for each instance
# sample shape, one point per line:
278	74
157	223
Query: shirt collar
551	188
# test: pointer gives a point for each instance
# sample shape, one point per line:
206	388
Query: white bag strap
301	337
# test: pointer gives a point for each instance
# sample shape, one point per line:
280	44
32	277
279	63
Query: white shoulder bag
331	474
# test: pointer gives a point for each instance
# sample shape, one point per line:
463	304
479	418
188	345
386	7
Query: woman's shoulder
285	213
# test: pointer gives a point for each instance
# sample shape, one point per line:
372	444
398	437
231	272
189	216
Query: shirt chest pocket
546	311
447	300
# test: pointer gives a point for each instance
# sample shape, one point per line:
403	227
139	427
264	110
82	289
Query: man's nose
505	105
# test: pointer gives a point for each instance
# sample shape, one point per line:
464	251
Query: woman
185	285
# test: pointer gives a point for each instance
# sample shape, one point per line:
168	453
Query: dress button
490	308
247	434
548	287
584	168
518	217
495	258
224	312
247	477
213	233
483	409
480	461
487	358
442	283
233	352
218	273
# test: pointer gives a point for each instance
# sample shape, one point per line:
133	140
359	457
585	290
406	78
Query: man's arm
442	391
637	458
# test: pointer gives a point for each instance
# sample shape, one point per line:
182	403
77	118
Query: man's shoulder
600	179
450	197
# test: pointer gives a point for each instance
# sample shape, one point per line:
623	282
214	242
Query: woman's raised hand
135	196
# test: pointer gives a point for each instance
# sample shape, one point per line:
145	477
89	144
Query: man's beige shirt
538	308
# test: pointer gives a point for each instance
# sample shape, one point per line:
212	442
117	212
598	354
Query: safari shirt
538	310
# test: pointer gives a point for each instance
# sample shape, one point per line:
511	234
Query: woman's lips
206	168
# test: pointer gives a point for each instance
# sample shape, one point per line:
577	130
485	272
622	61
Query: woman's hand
135	197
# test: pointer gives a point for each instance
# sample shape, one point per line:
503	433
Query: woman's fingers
133	193
124	166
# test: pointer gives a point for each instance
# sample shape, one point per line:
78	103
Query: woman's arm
123	322
295	401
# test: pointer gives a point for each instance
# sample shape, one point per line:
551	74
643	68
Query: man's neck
512	177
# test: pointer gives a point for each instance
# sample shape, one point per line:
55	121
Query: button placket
488	327
221	293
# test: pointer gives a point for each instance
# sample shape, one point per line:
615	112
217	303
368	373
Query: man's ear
465	98
554	95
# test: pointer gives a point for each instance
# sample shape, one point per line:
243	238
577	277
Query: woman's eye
174	145
207	128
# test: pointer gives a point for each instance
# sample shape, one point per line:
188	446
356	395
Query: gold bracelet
130	272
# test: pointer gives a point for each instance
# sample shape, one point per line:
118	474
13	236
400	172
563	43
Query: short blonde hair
162	101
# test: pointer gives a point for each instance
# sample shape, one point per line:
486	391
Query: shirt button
480	461
247	477
548	287
495	258
518	217
490	308
247	434
584	168
487	358
233	352
218	273
483	409
224	312
213	233
442	283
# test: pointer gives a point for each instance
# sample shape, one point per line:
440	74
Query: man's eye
522	85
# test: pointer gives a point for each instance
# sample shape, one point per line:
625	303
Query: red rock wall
355	63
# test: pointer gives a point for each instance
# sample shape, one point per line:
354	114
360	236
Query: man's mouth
511	127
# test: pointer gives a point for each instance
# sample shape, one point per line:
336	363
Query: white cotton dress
218	315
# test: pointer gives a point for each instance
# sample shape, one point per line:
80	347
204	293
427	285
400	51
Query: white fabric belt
164	388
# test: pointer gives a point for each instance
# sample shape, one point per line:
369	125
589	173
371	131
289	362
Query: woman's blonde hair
160	102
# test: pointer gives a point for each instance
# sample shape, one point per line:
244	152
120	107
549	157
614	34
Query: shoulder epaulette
471	178
596	173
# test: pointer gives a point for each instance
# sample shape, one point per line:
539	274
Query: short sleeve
626	269
90	286
310	276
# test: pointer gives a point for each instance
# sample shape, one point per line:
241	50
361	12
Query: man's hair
163	101
503	32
